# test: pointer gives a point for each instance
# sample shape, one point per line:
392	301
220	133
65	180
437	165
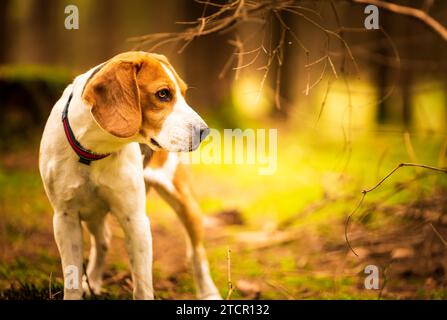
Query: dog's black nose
200	132
204	132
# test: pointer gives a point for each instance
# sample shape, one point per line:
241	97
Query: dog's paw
210	296
73	295
93	288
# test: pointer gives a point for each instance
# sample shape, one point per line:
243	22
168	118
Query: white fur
163	176
79	192
162	180
177	132
112	185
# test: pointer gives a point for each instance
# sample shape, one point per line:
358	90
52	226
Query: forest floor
286	232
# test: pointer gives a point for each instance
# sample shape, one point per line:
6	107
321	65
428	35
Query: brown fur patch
123	94
158	159
114	96
190	212
92	75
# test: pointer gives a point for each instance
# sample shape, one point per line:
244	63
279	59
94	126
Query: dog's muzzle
199	134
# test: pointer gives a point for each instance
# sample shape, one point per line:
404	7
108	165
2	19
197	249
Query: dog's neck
86	130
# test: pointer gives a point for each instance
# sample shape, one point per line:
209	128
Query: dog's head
139	95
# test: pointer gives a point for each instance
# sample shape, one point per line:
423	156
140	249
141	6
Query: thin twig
323	103
422	16
227	16
385	280
438	234
49	286
378	184
230	283
88	282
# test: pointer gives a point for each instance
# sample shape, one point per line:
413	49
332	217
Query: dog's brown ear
114	96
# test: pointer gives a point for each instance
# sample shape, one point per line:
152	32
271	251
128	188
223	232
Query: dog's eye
164	95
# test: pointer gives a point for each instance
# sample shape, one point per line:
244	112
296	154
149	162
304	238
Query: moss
55	77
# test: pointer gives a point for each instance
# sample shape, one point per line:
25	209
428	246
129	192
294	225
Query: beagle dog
112	135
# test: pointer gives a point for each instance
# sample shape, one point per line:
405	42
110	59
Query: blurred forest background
341	129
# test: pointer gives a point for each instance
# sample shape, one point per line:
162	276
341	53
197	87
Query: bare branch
438	235
230	283
228	16
378	184
421	15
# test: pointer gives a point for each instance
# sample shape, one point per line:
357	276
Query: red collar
85	156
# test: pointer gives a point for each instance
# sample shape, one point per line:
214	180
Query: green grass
307	170
309	166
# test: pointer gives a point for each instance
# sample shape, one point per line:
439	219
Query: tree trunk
4	31
43	31
285	91
204	60
382	74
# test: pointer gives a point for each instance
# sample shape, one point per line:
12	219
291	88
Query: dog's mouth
193	145
155	143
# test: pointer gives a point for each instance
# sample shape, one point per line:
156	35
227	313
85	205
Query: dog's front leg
68	235
139	247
